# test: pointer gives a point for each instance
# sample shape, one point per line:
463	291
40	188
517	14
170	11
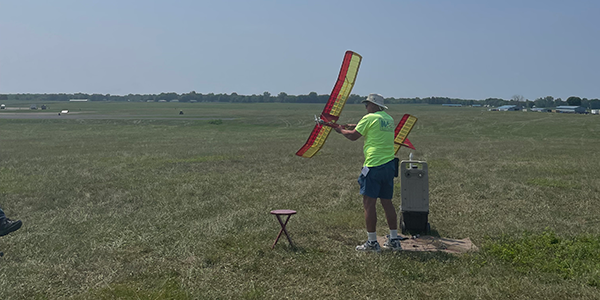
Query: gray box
414	210
415	185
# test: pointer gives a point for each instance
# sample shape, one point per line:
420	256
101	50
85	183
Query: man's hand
352	135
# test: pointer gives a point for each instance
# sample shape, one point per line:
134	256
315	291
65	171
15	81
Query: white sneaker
392	244
369	247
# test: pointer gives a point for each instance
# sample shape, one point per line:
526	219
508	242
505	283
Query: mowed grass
156	208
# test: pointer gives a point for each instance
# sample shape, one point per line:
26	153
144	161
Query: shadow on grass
432	232
421	256
424	256
292	249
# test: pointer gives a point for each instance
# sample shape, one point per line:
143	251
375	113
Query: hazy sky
470	49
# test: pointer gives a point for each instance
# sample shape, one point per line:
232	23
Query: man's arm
352	135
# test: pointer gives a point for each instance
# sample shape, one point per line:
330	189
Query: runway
79	116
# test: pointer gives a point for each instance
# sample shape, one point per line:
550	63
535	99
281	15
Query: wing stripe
339	82
346	84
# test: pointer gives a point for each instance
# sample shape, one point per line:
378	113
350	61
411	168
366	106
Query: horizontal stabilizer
402	130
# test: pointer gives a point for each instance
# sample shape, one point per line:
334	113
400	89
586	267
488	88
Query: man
376	179
7	225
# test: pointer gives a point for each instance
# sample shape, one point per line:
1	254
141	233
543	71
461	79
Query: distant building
476	105
570	109
175	100
541	109
162	100
33	106
508	108
2	106
78	100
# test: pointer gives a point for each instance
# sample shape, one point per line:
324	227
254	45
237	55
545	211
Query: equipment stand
285	212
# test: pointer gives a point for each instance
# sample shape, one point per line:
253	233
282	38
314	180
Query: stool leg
283	230
280	231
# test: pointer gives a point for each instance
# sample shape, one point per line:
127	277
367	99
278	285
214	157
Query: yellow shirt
378	130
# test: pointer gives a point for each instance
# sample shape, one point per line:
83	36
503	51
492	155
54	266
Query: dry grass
179	209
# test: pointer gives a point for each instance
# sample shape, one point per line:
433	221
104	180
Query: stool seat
283	212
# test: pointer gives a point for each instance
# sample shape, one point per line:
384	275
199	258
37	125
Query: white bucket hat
376	99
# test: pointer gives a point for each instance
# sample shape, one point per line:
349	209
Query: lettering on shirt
386	125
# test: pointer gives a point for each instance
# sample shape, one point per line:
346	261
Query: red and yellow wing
402	130
334	106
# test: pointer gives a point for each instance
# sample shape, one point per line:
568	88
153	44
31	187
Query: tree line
311	97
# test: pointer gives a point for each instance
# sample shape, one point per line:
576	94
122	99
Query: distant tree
255	98
313	97
222	98
594	103
267	97
558	102
81	96
574	101
547	101
291	99
168	96
354	98
585	102
234	98
134	97
188	97
517	98
96	97
495	102
281	97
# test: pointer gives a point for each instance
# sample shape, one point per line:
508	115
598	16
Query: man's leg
370	213
371	222
390	213
393	242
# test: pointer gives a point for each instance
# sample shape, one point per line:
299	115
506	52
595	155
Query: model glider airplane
335	104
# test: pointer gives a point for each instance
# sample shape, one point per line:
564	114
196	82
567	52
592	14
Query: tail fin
402	130
408	144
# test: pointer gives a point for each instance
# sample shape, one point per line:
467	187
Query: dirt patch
434	244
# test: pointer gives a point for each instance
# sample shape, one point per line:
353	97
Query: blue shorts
379	182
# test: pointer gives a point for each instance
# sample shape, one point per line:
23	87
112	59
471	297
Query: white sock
372	236
393	234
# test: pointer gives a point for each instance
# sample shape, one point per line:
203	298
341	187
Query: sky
468	49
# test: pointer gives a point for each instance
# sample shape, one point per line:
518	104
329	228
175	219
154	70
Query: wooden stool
278	213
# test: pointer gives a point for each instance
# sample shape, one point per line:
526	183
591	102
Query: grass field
143	205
